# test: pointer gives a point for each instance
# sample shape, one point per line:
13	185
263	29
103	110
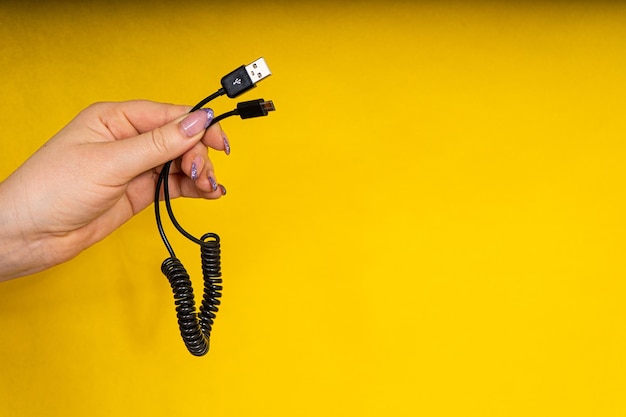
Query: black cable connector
248	110
245	77
255	108
239	81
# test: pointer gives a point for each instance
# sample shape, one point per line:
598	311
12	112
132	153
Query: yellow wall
432	223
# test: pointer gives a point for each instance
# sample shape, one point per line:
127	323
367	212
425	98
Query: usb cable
195	327
233	84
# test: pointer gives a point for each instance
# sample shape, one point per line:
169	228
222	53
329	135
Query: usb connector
248	110
239	81
245	77
255	108
258	70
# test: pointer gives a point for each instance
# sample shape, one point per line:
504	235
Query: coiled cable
195	327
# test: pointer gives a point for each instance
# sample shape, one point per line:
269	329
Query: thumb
144	152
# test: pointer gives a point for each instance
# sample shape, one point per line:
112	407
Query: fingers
184	138
196	163
143	152
181	185
129	118
198	167
140	116
217	139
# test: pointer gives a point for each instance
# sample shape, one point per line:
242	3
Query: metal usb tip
268	106
258	70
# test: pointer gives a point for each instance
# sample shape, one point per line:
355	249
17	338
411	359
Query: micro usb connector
245	77
255	108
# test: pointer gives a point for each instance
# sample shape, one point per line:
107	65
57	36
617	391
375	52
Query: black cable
245	110
157	210
206	100
195	327
163	182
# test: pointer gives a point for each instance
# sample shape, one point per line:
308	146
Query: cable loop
195	328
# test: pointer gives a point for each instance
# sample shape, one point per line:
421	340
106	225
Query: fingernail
213	183
196	167
194	171
196	122
209	117
223	189
226	144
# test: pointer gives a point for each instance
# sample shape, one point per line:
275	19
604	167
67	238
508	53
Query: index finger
130	118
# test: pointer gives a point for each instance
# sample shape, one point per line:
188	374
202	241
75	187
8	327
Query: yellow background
431	223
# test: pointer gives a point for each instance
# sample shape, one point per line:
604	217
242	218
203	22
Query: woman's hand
96	173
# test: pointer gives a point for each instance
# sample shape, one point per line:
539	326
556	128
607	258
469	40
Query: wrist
21	249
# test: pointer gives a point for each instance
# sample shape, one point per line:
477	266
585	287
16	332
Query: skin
97	173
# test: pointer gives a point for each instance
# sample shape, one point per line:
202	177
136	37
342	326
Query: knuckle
158	141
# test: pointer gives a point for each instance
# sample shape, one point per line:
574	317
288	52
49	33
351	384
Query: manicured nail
223	189
213	183
196	167
209	117
196	122
226	144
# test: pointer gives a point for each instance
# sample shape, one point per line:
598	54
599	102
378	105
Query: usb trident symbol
237	81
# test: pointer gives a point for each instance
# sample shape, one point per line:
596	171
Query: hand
96	173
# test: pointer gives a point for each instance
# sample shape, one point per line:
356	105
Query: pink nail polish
196	122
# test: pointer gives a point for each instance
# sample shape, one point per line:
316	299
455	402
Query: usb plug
255	108
245	77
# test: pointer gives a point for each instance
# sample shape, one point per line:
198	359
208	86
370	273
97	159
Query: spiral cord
211	271
195	328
